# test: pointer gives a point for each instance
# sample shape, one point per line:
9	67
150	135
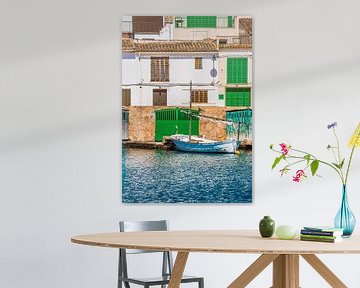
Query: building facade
158	73
162	55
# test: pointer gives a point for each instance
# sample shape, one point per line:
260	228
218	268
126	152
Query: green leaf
342	163
271	146
307	157
314	166
336	165
276	162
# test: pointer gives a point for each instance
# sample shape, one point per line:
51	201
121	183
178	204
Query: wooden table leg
286	271
178	269
324	271
253	270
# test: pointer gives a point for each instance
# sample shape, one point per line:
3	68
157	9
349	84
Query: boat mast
190	116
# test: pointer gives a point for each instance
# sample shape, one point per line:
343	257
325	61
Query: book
321	233
323	228
320	237
325	240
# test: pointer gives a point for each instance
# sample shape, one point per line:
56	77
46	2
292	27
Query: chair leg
201	283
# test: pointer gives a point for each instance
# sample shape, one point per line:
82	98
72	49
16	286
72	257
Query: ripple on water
156	176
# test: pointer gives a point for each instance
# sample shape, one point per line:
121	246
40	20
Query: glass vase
345	219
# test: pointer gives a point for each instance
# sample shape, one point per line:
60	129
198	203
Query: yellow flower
355	138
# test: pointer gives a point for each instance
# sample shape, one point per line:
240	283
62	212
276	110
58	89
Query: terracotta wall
142	123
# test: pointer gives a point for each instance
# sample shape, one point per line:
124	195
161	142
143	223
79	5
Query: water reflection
156	176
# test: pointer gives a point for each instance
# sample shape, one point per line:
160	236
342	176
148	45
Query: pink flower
300	174
284	148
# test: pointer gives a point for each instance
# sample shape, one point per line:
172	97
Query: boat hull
228	146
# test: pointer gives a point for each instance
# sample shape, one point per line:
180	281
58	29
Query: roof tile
172	46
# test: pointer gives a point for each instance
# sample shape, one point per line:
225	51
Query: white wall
136	69
60	134
166	33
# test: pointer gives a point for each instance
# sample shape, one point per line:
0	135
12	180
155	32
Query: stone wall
209	128
142	122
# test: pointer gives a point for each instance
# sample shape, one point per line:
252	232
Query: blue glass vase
345	219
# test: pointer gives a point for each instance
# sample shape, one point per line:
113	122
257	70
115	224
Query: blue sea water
157	176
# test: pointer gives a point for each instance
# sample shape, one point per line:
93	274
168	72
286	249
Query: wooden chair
167	262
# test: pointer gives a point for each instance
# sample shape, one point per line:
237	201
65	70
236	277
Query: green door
237	70
240	97
167	120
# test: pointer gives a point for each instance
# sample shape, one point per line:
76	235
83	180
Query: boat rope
214	119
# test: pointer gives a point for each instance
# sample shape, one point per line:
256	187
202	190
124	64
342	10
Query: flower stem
338	171
348	168
296	162
350	159
338	145
320	161
339	156
300	151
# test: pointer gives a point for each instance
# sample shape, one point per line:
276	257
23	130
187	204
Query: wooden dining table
283	254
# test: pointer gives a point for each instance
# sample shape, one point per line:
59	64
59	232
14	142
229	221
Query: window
230	21
221	97
198	63
201	21
160	69
237	70
180	22
126	97
159	97
222	42
199	96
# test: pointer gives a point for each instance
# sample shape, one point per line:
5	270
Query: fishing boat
202	145
190	143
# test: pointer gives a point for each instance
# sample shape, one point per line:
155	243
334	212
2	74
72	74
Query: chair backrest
138	226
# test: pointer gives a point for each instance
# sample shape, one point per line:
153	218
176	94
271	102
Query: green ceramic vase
266	227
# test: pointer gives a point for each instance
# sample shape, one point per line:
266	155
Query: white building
158	73
233	35
225	29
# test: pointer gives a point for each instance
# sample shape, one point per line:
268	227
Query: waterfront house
233	35
158	73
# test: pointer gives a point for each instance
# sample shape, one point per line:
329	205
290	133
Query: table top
217	241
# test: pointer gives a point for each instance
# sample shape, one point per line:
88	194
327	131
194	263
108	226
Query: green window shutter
230	21
237	70
221	96
201	21
190	21
238	97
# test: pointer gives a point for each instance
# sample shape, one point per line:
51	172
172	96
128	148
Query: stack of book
321	234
